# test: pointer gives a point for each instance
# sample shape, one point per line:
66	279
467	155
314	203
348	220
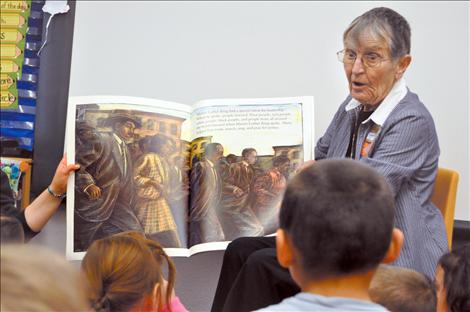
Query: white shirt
381	113
121	151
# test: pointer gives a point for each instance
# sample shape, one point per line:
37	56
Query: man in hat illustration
104	202
97	184
124	216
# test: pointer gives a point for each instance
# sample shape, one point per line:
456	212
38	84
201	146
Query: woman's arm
45	205
141	171
407	151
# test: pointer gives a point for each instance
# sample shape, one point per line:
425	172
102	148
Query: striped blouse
403	148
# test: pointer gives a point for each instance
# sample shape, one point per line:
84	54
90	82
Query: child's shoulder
310	302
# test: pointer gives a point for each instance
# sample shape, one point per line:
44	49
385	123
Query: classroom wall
187	51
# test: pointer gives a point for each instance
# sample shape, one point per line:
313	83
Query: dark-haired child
336	227
453	281
11	230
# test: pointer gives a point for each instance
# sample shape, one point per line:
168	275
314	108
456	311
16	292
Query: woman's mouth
358	84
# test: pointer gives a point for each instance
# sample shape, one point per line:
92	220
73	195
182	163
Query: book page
243	152
133	176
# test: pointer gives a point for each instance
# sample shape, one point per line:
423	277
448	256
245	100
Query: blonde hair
37	279
123	271
402	290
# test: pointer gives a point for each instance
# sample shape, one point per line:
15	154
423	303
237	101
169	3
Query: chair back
444	196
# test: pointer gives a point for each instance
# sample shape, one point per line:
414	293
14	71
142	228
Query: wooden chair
25	167
444	196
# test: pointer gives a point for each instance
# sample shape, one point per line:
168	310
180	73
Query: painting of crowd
133	176
136	175
236	196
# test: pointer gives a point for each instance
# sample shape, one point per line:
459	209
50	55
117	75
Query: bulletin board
34	86
20	40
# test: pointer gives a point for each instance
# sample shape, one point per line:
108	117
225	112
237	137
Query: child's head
453	280
403	290
124	270
36	279
11	230
336	219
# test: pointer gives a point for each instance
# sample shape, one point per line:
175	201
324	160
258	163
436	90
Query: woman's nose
358	66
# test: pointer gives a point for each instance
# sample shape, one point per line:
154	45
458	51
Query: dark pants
251	278
85	232
123	218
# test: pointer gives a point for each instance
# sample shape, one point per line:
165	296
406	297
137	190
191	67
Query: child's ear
284	249
394	248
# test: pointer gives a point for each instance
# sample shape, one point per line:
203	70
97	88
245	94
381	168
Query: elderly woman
382	124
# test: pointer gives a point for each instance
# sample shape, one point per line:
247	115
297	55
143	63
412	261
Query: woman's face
370	85
440	290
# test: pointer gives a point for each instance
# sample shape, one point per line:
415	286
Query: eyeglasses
368	60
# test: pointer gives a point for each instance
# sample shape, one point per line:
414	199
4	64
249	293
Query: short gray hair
385	23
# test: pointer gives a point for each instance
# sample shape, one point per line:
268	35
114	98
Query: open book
191	177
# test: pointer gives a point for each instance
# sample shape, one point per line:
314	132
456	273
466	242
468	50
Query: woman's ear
403	64
284	249
394	248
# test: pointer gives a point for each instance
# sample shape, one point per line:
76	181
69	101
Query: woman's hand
59	181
